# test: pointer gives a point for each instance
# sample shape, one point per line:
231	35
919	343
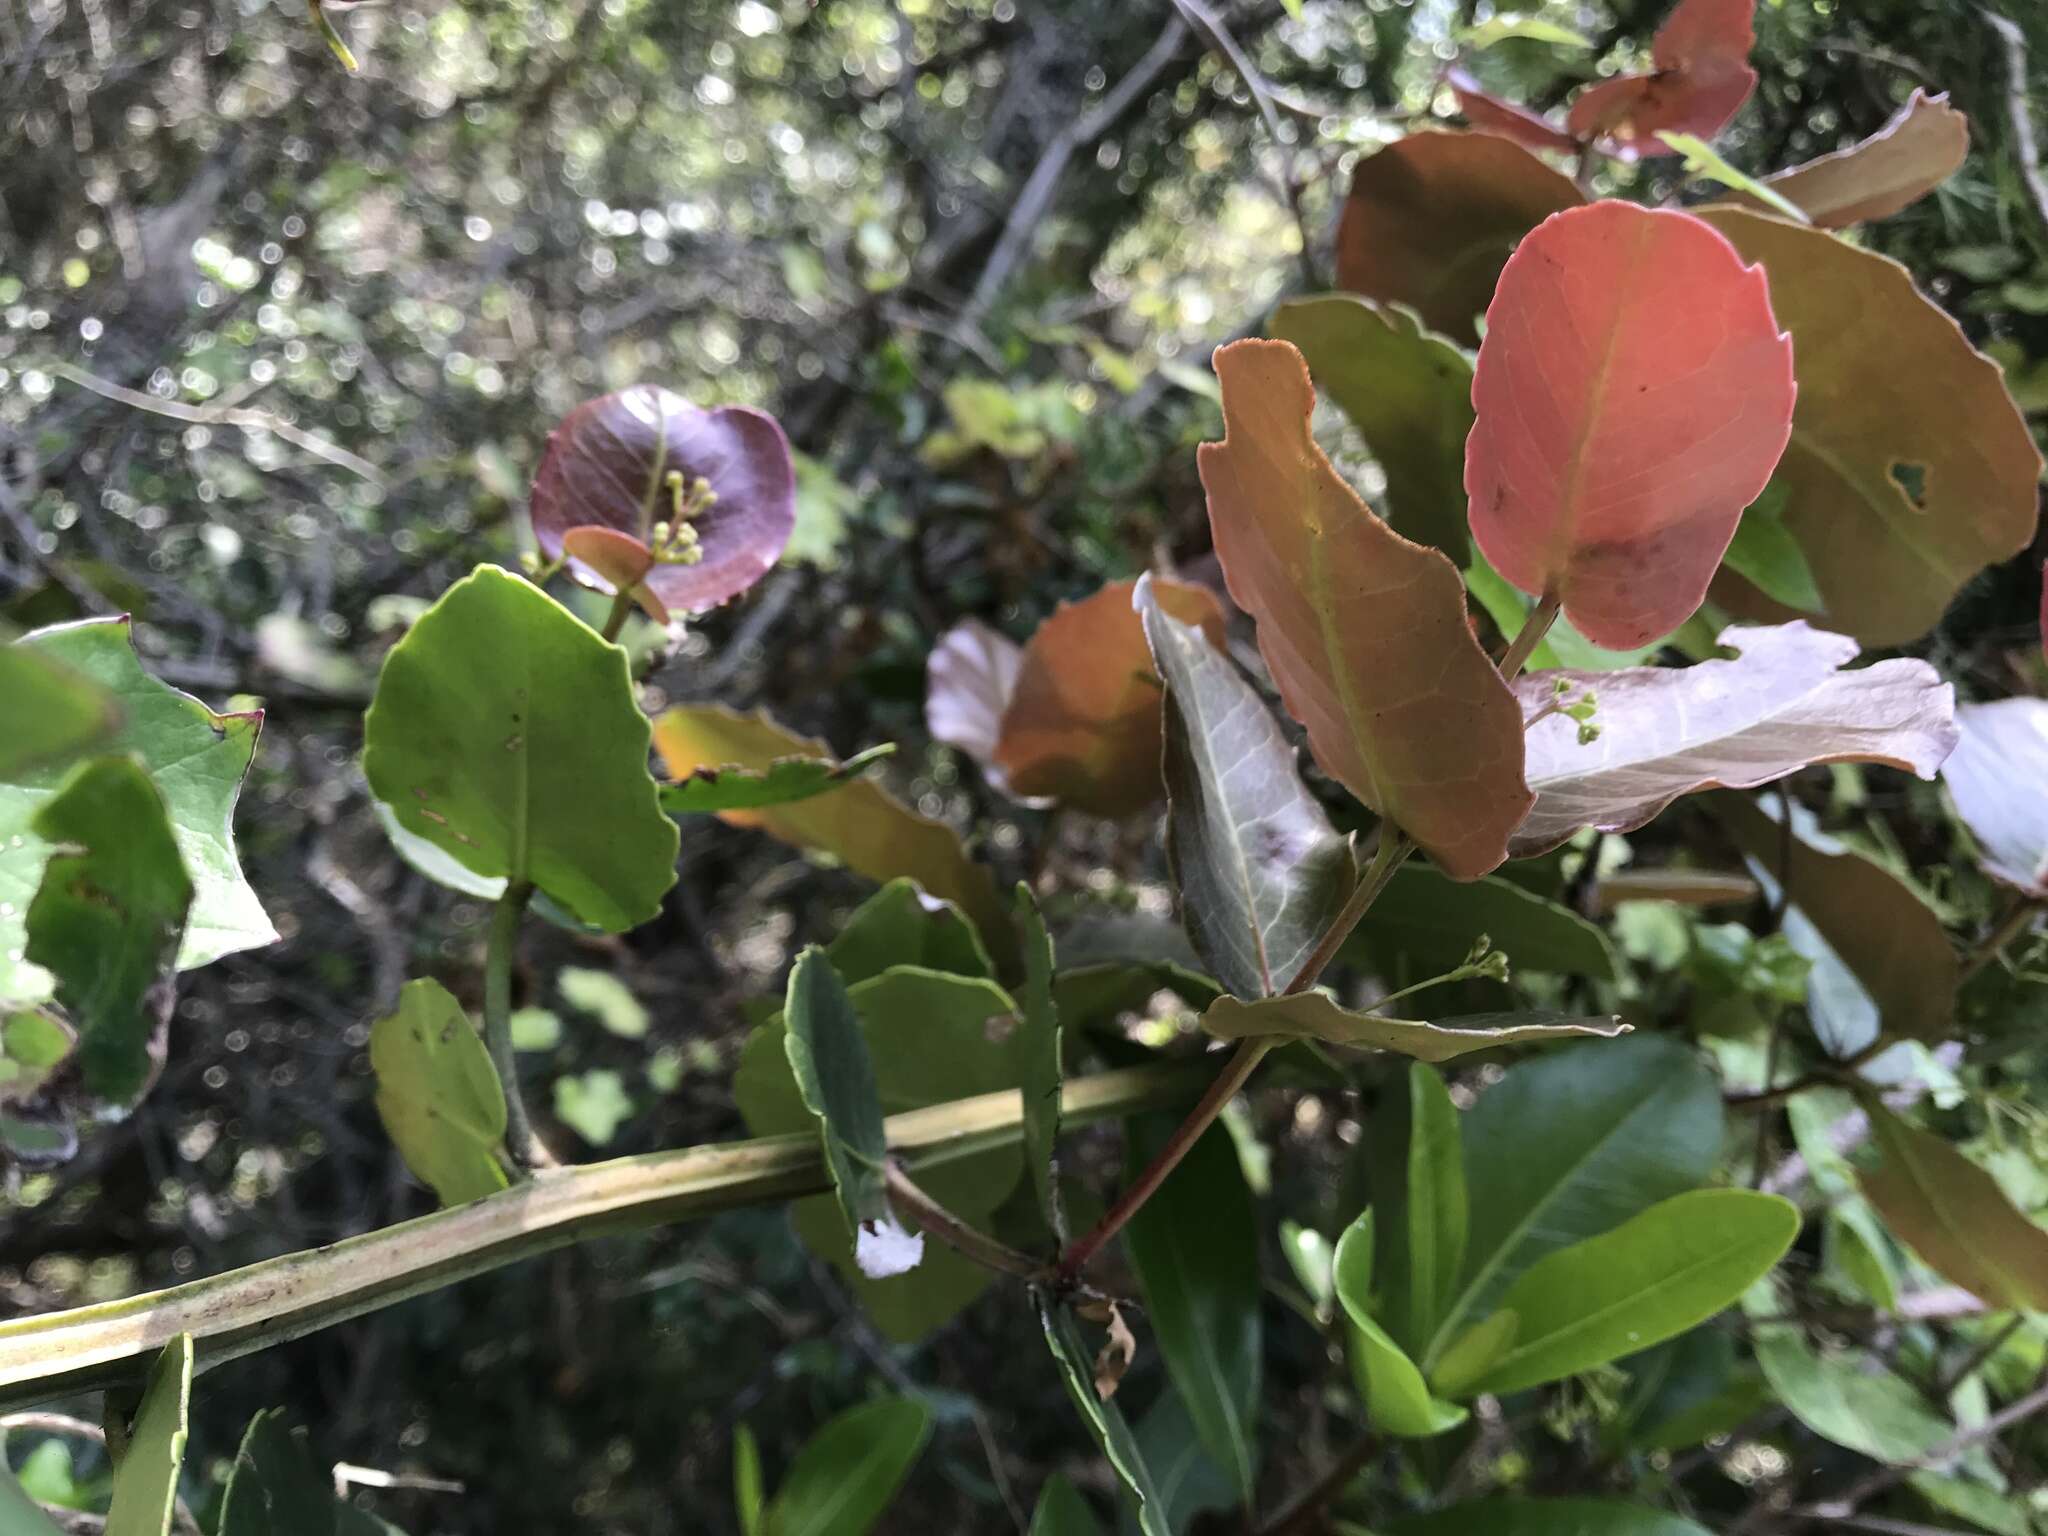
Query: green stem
1531	634
520	1140
1392	853
622	609
58	1354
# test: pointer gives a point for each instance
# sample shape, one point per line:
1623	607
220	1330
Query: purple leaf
1995	778
969	678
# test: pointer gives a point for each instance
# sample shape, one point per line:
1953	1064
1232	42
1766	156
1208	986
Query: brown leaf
1118	1350
1488	113
609	465
1365	633
1314	1016
1955	1217
1910	469
1083	722
1432	217
1701	79
1998	778
969	678
1924	143
862	825
1782	705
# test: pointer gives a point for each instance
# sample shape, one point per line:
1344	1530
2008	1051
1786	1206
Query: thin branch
2026	149
1975	1360
1883	1478
1393	851
248	418
1300	1517
963	1238
525	1146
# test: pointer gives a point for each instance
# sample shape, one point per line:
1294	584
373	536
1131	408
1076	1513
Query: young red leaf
1490	114
619	560
1083	723
1783	704
1432	217
630	461
1365	633
1923	144
1633	395
968	680
1998	778
1702	78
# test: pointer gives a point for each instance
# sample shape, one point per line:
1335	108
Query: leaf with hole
505	732
628	462
1260	871
438	1094
1364	632
1631	398
1782	705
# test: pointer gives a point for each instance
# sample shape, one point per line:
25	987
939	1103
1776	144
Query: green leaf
1104	1419
146	1473
604	998
53	713
1624	1125
535	1029
928	1037
1436	1209
782	782
865	827
20	1514
1042	1067
1195	1246
829	1059
438	1094
1666	1270
1499	29
197	760
593	1105
1409	393
843	1479
1315	1016
748	1498
505	732
901	925
1545	1517
1847	1398
1686	1392
1470	1353
1425	923
1764	553
106	922
1062	1511
275	1489
1701	159
1397	1399
1952	1214
1261	872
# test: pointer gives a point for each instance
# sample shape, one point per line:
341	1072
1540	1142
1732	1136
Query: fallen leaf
1632	395
1432	217
1700	81
1783	704
1365	633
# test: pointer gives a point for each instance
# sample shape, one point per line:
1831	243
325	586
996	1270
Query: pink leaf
609	464
1490	114
1633	394
1702	78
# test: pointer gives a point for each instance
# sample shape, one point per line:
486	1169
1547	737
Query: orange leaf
1633	395
1083	722
1364	632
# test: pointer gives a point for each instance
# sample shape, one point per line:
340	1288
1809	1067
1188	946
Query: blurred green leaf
438	1094
605	998
1764	553
1425	923
1545	1517
843	1479
146	1472
53	713
593	1105
782	782
1062	1511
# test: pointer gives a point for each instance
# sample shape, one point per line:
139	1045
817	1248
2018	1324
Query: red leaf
1701	80
1365	633
608	465
1490	114
1431	218
1633	395
620	560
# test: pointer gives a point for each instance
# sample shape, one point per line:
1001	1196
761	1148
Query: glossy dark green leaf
1952	1213
1409	393
1653	1277
1688	1391
107	922
828	1056
1545	1517
1315	1016
52	712
1104	1419
438	1094
1425	923
1435	1205
197	760
1260	870
1398	1401
505	732
783	782
1847	1397
1572	1143
1043	1071
749	1498
1195	1246
845	1477
901	925
1062	1511
1191	1482
146	1474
